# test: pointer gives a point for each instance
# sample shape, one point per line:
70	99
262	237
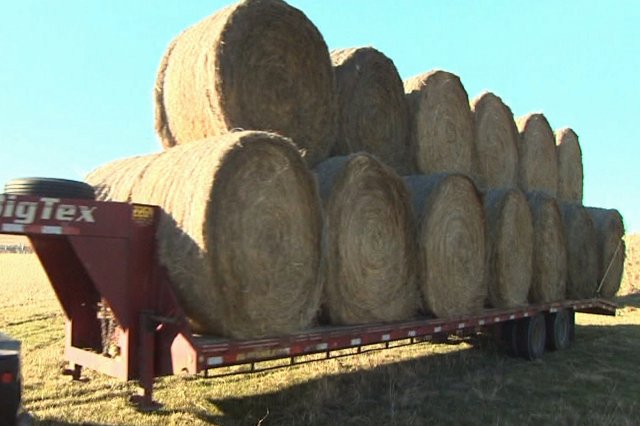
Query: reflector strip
437	329
411	333
386	337
512	317
481	322
322	346
215	360
52	230
461	325
12	227
356	342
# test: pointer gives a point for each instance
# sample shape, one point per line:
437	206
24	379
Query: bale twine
509	247
441	125
369	253
570	178
611	249
549	280
451	243
582	251
372	112
259	65
496	139
240	232
537	160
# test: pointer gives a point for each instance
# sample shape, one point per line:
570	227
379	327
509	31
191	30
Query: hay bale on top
451	244
259	65
372	112
509	247
582	251
611	249
570	178
537	159
240	232
441	125
369	258
496	139
549	280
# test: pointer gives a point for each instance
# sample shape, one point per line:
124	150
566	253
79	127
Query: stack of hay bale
298	183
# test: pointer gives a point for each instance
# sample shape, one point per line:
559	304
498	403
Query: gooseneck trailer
124	320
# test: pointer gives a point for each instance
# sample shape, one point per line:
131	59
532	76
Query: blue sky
76	77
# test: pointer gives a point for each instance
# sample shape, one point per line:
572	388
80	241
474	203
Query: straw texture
582	251
537	160
451	243
611	248
549	280
570	177
509	247
441	125
372	113
496	139
255	65
240	232
369	245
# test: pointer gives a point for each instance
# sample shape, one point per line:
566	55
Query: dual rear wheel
529	337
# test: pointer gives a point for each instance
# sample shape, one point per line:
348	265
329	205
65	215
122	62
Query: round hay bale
441	125
451	243
255	65
496	143
582	251
114	181
570	178
509	247
372	112
240	232
549	280
537	159
369	253
611	249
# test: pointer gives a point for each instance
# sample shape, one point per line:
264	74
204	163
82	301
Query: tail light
6	378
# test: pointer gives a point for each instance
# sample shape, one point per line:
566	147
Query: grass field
596	382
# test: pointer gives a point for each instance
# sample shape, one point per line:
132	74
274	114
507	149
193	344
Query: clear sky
76	77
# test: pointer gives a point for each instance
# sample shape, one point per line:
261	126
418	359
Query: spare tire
50	187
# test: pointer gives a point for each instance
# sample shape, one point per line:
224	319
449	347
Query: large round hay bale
496	143
611	249
255	65
537	159
570	178
369	244
441	125
582	251
549	279
372	111
240	231
451	243
509	247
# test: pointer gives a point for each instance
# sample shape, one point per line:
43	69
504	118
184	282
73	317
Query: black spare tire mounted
50	187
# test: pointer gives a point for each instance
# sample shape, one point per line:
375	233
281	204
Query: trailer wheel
50	187
560	329
531	337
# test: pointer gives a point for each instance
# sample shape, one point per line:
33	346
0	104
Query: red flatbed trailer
124	320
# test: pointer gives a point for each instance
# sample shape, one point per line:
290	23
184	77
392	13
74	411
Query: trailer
123	319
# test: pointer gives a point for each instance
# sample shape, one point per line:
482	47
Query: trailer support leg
146	340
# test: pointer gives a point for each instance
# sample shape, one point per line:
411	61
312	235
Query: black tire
560	329
50	187
531	336
509	337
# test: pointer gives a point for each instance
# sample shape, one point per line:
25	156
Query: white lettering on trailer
27	212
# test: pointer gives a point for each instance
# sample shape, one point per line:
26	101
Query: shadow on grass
632	299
